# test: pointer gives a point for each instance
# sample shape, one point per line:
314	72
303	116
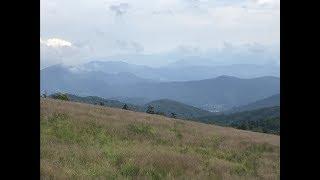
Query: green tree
173	115
44	94
60	96
125	106
150	109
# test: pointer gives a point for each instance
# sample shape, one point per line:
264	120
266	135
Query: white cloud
55	42
268	2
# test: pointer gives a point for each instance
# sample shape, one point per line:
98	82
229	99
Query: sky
78	31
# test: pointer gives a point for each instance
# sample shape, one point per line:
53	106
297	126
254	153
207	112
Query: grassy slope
87	141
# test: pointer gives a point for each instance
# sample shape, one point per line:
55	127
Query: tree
125	106
150	109
60	96
101	104
173	115
44	94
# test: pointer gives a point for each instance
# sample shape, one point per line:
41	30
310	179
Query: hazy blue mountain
223	91
181	110
140	101
182	70
267	102
67	79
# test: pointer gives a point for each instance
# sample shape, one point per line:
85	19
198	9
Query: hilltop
85	141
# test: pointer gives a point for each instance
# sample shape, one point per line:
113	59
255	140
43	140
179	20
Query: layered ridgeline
265	120
183	70
223	91
267	102
164	107
83	141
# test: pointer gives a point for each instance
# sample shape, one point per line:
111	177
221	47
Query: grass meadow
82	141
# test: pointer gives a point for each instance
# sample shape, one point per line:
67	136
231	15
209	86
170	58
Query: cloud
115	27
59	51
119	9
55	42
268	2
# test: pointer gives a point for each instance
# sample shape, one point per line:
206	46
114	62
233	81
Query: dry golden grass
82	141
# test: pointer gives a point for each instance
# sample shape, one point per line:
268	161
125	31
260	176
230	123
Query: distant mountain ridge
179	71
273	100
265	120
222	91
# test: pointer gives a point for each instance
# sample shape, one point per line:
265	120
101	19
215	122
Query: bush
150	110
173	115
60	96
125	106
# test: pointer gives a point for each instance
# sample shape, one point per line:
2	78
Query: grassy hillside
83	141
184	111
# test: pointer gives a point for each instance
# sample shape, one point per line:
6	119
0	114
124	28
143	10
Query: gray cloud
119	9
157	27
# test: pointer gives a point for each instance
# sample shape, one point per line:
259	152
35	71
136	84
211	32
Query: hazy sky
75	31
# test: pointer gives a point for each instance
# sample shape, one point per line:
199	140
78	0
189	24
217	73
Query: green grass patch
141	129
129	170
176	130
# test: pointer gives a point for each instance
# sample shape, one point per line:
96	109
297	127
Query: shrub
60	96
150	110
125	106
173	115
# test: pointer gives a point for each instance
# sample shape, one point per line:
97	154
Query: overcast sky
75	31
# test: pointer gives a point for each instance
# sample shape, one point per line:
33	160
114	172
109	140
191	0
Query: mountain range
265	120
182	70
224	91
273	100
